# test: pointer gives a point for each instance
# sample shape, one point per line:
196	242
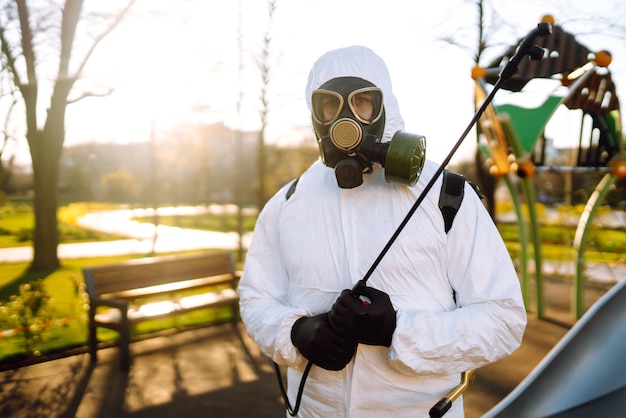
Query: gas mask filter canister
349	120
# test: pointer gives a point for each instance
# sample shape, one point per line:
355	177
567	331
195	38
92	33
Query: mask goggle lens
326	106
366	105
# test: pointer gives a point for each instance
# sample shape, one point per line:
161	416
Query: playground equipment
513	137
583	375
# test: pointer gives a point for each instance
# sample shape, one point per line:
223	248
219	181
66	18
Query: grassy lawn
604	245
17	223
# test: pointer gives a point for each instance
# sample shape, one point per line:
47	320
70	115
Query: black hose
292	411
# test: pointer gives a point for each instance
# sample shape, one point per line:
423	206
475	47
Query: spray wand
526	47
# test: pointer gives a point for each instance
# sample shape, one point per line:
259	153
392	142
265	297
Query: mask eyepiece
326	106
365	105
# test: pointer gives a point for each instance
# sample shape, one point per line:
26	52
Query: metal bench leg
235	312
93	338
125	342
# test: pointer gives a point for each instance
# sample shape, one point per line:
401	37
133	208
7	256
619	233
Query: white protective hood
362	62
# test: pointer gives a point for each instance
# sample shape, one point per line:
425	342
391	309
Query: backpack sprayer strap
292	188
451	196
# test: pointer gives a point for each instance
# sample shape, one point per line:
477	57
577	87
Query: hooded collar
362	62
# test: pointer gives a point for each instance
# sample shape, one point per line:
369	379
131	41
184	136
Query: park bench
124	294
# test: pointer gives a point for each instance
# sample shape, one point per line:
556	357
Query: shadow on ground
211	372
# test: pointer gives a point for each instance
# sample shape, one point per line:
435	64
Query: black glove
365	321
316	340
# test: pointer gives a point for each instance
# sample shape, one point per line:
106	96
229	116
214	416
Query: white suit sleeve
263	290
490	318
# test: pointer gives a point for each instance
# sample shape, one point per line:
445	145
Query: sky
178	62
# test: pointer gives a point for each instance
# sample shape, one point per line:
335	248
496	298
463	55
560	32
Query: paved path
144	238
210	372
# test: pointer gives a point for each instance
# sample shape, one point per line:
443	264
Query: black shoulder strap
292	188
451	196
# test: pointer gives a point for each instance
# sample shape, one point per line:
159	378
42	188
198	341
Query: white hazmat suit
457	296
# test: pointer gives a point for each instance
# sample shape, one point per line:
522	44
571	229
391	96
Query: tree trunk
46	148
46	145
46	175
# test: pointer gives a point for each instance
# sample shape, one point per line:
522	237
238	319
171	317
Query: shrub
29	313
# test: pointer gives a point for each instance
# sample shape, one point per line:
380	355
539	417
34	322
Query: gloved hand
316	340
371	323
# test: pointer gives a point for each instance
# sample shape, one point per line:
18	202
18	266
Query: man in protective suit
437	304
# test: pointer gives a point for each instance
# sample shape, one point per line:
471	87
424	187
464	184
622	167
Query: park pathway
143	237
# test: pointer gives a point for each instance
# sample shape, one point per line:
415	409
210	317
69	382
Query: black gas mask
349	121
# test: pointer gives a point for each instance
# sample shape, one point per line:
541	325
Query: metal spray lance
526	47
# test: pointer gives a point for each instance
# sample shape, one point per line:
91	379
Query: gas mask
349	120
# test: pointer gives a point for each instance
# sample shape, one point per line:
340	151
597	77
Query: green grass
17	223
604	245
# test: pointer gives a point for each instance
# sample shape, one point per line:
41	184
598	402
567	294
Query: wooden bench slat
169	288
155	310
158	270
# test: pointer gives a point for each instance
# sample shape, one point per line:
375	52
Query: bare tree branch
27	41
85	94
71	15
5	134
10	59
116	21
30	89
